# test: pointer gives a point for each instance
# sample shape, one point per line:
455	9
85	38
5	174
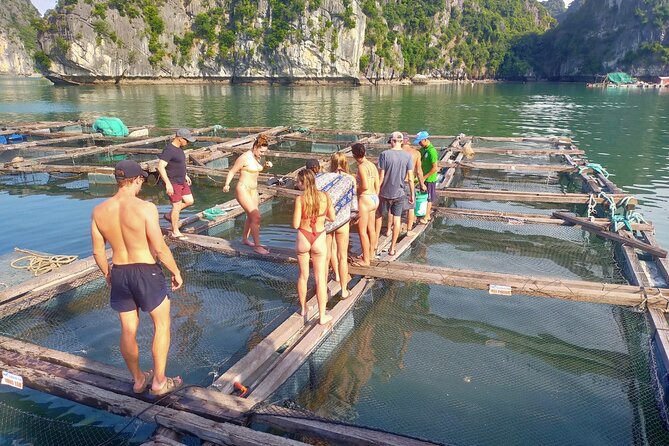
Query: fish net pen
517	248
545	209
485	179
227	305
516	157
445	364
307	146
34	418
9	155
457	366
511	143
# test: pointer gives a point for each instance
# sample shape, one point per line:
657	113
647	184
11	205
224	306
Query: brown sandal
171	385
148	377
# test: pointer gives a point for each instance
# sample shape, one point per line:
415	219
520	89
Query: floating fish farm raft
532	309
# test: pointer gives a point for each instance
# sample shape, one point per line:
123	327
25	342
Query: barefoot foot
325	319
260	250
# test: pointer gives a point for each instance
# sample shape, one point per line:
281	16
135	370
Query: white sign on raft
12	380
502	290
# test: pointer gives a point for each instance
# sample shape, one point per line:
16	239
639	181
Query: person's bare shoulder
147	208
97	210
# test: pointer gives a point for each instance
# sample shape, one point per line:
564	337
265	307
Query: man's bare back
131	227
123	222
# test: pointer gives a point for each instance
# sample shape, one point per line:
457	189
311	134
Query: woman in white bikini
249	167
368	201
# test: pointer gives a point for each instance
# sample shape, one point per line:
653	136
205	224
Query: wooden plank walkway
297	353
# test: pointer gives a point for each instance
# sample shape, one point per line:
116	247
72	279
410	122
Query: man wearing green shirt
430	164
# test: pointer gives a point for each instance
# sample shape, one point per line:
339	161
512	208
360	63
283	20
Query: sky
43	5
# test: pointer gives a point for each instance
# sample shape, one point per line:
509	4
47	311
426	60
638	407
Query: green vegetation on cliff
17	18
555	8
596	37
475	38
468	38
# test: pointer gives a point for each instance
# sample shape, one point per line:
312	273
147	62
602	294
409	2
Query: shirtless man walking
131	227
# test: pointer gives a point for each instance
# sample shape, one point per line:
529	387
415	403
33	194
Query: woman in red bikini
311	210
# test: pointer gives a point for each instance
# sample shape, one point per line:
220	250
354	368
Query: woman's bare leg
319	259
363	231
247	203
332	255
303	276
342	238
373	233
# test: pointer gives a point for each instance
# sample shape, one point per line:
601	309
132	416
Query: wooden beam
218	405
527	152
576	290
47	141
541	197
297	422
298	353
547	140
625	241
657	317
595	292
522	218
23	127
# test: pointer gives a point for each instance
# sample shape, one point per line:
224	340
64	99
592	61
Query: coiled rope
38	263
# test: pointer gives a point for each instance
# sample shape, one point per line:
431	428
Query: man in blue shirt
395	166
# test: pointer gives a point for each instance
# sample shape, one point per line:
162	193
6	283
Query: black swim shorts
393	205
135	285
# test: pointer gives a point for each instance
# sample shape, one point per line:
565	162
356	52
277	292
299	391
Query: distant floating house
619	78
664	81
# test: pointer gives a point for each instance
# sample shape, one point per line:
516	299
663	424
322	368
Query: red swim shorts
179	191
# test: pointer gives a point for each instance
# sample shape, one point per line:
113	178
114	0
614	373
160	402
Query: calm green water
487	370
627	131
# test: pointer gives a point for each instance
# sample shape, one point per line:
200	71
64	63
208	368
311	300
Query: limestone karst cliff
350	41
282	40
599	36
18	38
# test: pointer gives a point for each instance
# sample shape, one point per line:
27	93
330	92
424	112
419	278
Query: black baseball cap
186	134
129	169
